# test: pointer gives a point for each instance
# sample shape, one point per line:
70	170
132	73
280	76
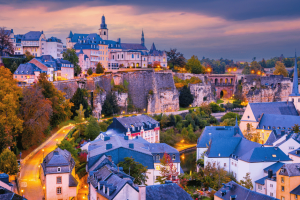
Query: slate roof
279	122
32	36
232	189
261	181
169	191
72	181
295	152
80	46
112	178
154	52
133	46
275	167
6	194
290	169
296	191
214	132
136	121
265	154
54	39
27	69
276	108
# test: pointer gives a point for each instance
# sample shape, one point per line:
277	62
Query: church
267	117
96	48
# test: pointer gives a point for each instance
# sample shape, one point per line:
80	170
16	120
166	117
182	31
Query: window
157	167
296	196
291	147
157	157
282	179
282	188
274	155
173	157
282	198
132	56
224	164
271	185
58	169
259	187
58	190
58	180
271	194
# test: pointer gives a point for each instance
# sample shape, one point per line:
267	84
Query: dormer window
157	157
173	157
58	169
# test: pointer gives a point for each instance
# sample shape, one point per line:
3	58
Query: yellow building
288	182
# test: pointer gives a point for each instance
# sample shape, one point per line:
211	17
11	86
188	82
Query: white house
57	175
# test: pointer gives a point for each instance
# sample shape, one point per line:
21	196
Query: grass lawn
220	101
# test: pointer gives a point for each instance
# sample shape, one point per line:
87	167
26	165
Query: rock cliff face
202	92
266	89
154	91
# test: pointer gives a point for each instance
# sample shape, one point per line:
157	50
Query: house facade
57	175
53	47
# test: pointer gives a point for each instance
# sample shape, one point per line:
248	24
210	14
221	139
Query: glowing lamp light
229	69
234	69
258	73
252	72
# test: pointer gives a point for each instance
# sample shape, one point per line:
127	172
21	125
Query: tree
36	112
71	56
134	169
79	118
79	98
60	105
28	56
246	182
263	63
110	105
99	68
168	170
156	64
280	69
193	65
246	69
92	129
296	128
175	58
6	45
8	162
10	123
185	98
230	115
69	146
90	71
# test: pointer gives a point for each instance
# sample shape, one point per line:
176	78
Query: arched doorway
223	93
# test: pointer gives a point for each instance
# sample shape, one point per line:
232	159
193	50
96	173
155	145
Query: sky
232	29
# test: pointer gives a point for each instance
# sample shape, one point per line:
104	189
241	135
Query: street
30	184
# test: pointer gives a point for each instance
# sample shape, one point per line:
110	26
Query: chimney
270	173
103	188
107	191
119	40
142	192
109	158
106	138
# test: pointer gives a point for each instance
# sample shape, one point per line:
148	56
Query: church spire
143	39
295	79
103	25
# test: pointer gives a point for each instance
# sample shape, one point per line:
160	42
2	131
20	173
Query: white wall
262	190
127	193
270	189
295	159
200	151
218	161
248	117
51	186
289	145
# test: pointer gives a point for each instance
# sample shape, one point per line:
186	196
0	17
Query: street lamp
252	71
22	191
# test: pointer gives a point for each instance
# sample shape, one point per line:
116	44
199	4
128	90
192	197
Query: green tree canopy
246	182
99	68
8	162
230	115
80	98
193	65
185	98
92	129
110	105
137	170
69	146
71	56
280	69
90	71
175	58
60	105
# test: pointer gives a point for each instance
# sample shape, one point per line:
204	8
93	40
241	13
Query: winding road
30	184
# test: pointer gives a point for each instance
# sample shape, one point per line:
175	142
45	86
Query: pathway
30	184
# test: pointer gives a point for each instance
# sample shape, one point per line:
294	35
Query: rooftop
278	121
290	169
32	36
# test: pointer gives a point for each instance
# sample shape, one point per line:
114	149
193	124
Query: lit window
274	155
157	167
58	190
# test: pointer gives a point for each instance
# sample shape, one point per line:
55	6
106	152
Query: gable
248	114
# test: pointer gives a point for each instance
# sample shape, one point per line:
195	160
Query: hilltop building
57	175
114	54
56	69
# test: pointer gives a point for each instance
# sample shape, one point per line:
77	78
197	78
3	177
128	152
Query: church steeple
295	79
143	39
103	31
